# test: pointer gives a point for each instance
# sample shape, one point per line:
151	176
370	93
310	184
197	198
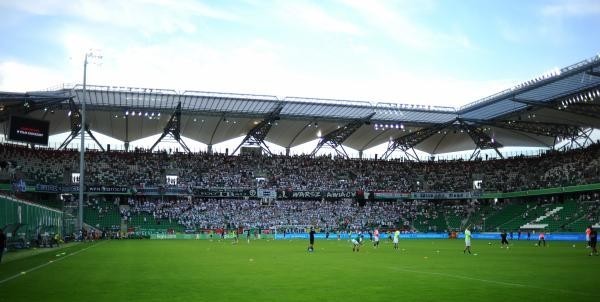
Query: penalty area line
46	264
490	281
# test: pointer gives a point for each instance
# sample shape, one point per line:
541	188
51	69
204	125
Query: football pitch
201	270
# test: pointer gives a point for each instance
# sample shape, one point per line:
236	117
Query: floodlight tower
92	55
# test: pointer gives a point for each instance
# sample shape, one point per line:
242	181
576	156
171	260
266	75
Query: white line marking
46	264
491	281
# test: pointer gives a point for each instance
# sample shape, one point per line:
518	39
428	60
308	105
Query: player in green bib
356	242
396	238
234	235
467	240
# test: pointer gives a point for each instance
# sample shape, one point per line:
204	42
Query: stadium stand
102	215
409	216
202	170
553	169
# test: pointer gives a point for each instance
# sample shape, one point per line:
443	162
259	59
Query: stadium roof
531	114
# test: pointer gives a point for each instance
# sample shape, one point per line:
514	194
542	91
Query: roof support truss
75	119
579	139
481	139
336	138
406	143
256	136
410	153
173	129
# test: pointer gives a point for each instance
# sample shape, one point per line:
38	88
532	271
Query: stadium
263	221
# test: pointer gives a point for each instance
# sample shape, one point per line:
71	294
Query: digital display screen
29	130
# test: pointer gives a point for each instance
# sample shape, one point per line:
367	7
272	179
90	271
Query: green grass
182	270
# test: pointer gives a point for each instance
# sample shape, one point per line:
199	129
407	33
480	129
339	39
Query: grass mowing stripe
46	264
488	281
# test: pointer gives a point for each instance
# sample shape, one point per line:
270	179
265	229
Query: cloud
188	65
409	88
255	66
19	77
311	15
397	24
512	32
558	19
571	8
149	16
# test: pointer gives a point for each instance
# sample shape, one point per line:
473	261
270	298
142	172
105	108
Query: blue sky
429	52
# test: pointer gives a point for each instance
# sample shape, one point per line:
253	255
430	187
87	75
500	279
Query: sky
430	52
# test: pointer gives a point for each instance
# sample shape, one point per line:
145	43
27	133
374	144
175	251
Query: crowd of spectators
347	214
592	212
203	170
344	214
232	213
